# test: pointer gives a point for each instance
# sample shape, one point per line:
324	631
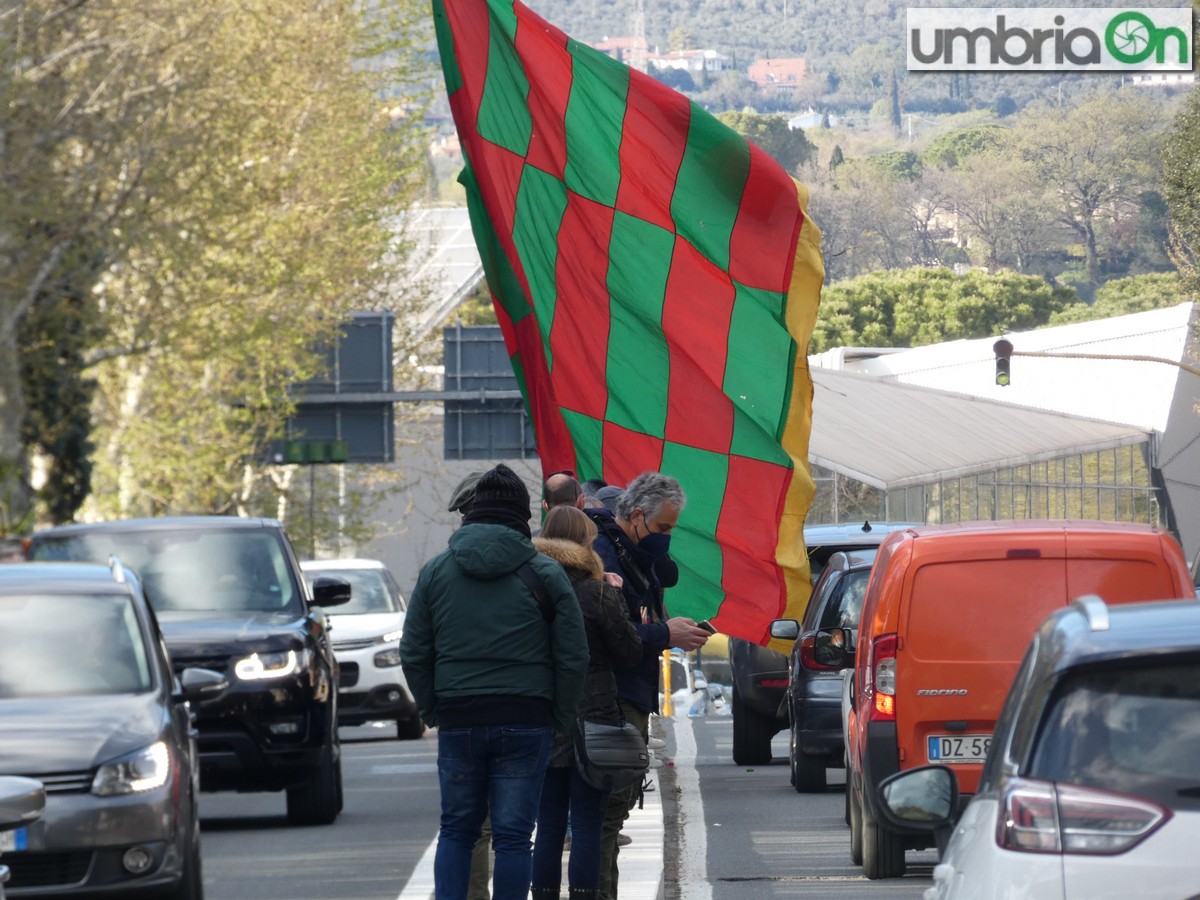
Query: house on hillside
691	61
777	74
621	48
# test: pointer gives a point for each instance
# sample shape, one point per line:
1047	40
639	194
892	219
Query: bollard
668	708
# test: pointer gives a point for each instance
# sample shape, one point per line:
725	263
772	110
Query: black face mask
655	544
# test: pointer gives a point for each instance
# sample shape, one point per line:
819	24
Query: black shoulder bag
608	757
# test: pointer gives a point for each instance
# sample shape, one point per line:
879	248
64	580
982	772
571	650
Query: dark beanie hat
501	490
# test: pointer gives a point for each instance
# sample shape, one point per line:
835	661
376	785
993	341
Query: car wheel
882	851
752	734
846	808
855	816
409	729
318	801
808	772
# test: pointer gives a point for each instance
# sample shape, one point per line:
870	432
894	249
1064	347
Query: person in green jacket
497	671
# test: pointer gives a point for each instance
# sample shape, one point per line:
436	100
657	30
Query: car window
370	591
192	570
1132	730
845	605
58	645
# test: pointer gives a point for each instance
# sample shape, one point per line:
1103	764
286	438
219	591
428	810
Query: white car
1091	788
366	641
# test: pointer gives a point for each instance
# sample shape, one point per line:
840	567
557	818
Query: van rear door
964	632
1146	566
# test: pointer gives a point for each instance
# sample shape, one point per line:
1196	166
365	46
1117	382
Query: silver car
90	708
1091	788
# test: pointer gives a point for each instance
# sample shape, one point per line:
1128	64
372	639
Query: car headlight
265	666
142	770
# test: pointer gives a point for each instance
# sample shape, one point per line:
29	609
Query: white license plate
958	748
11	841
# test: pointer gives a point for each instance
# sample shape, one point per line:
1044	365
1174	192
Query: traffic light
1004	351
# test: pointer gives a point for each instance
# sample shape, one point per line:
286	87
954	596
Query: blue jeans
496	768
565	794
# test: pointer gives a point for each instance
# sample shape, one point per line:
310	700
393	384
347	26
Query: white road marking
420	884
693	836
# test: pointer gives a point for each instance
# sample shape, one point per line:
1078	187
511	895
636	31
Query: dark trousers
619	805
567	798
489	768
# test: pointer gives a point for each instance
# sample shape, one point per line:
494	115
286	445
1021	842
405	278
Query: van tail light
808	658
883	681
1041	817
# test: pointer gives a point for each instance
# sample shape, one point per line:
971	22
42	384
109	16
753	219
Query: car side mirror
328	590
785	629
201	684
22	800
924	799
833	648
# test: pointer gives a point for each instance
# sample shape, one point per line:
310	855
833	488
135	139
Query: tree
1002	211
789	147
1122	296
680	39
952	149
233	178
914	307
1097	158
1181	188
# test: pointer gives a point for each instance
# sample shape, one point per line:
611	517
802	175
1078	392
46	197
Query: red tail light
773	682
808	660
1042	817
883	678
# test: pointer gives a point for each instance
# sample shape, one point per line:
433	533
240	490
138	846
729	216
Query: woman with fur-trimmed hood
567	536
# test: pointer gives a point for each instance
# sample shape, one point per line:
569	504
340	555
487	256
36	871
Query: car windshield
218	570
58	645
845	605
370	591
1130	730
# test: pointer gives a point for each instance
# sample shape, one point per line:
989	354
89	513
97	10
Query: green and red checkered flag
656	279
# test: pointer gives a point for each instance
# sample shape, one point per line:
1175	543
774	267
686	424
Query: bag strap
534	582
632	572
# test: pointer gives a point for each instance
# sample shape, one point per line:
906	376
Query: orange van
948	614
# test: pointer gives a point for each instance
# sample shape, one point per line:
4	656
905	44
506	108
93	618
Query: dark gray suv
760	674
814	692
230	597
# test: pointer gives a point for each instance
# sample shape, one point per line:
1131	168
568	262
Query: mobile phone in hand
707	626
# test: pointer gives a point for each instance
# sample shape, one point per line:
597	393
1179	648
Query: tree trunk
16	497
1093	262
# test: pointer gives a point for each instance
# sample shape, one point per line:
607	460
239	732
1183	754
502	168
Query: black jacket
637	684
611	637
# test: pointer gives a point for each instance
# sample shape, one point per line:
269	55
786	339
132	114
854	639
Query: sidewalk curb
640	863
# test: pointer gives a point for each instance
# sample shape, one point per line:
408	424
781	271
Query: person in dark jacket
567	536
497	675
633	541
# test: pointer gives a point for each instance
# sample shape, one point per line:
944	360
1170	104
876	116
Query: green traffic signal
1003	350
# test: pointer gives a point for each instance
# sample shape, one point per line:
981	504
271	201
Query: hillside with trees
853	50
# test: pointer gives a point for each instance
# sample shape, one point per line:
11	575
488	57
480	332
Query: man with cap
495	652
463	494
